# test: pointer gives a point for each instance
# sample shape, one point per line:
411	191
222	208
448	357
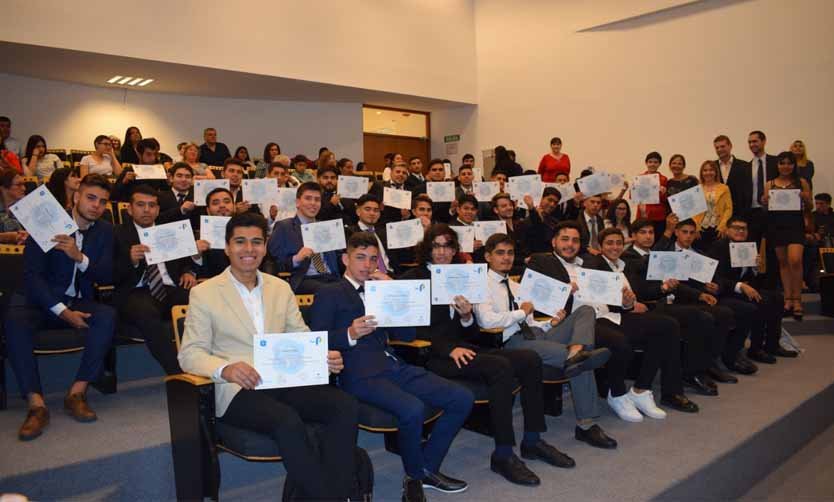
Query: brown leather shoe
76	406
36	421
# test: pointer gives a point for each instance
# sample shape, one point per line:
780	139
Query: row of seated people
714	319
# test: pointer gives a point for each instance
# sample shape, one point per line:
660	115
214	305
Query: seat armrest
195	380
416	344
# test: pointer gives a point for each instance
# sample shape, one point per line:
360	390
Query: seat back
178	313
31	183
11	278
305	302
77	155
827	259
59	152
108	215
124	217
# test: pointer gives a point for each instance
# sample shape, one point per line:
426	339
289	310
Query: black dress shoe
761	356
413	490
742	365
595	437
720	375
442	483
514	470
780	352
679	402
700	385
540	450
586	360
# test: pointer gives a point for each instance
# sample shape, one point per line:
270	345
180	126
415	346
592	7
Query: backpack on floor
362	489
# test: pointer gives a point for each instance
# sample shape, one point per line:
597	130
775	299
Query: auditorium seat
31	183
61	153
77	155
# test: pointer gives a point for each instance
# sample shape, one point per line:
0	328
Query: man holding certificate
452	330
376	376
368	211
225	315
177	202
219	203
565	341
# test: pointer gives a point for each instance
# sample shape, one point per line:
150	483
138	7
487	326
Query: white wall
416	47
71	116
669	83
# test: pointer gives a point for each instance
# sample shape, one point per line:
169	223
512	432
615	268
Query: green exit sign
452	138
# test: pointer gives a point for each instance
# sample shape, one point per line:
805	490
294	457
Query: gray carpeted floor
126	455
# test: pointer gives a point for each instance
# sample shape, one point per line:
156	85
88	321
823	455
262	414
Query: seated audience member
117	145
212	152
416	177
59	294
745	285
145	293
565	341
453	355
309	270
345	167
37	161
464	182
242	154
12	144
233	170
540	224
503	208
391	159
271	150
399	173
191	156
12	189
148	149
467	212
216	344
333	206
619	217
177	202
373	374
554	162
326	159
679	181
128	153
63	184
421	208
367	213
180	157
591	224
102	161
214	261
301	169
8	159
620	327
820	235
468	160
443	212
656	213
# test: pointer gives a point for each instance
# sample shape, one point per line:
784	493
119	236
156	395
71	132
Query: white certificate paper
399	303
441	191
784	200
667	265
324	236
203	187
566	191
168	242
259	191
213	230
466	237
485	190
596	286
616	181
147	172
43	217
701	268
352	187
594	184
645	189
284	200
400	199
449	281
530	184
404	234
545	293
478	173
484	229
689	203
743	254
291	359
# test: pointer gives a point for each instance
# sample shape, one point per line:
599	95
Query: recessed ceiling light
135	81
379	113
145	82
131	81
114	79
125	80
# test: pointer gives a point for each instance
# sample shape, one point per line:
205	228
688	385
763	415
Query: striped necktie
153	278
318	263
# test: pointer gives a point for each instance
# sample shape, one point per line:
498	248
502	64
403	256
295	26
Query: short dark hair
736	218
654	155
760	134
307	186
567	225
421	198
722	137
493	203
468	199
677	156
100	138
434	231
327	169
147	144
322	150
181	165
464	167
246	219
825	197
435	161
365	198
548	191
5	119
496	239
7	176
216	191
95	180
689	222
467	156
273	165
300	158
640	224
414	158
555	140
342	162
361	240
144	190
233	161
609	231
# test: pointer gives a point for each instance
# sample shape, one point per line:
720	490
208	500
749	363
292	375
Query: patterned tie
593	244
318	263
380	261
77	278
153	278
180	198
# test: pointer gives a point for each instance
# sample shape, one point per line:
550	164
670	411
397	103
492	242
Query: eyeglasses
740	228
437	245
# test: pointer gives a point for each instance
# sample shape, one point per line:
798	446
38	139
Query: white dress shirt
725	168
495	311
80	267
754	164
367	228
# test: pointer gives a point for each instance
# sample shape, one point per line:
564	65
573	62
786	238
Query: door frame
407	110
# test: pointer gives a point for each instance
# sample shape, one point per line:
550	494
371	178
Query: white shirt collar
138	228
352	282
577	262
495	276
363	226
639	251
242	287
679	248
305	220
618	265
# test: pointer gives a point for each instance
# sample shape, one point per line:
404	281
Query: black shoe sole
459	490
536	457
519	483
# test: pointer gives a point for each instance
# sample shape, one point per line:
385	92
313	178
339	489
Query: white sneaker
624	408
645	403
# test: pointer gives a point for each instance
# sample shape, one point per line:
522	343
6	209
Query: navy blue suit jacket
334	310
285	242
48	275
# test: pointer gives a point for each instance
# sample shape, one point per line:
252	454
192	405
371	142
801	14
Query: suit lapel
232	298
272	319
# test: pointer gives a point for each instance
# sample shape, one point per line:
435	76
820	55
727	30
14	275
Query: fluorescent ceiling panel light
125	80
145	82
135	81
114	79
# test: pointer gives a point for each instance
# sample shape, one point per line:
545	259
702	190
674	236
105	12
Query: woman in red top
555	162
656	213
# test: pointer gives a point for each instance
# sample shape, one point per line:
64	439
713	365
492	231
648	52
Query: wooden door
377	145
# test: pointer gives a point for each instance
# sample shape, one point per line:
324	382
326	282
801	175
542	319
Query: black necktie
77	281
360	289
526	332
511	302
180	198
760	181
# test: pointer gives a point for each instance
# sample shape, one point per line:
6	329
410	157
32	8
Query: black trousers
497	368
658	335
744	313
765	322
153	319
697	331
323	470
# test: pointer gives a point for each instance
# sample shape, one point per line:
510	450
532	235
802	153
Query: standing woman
555	162
37	162
102	161
270	151
619	217
804	166
63	184
129	153
713	223
786	231
656	213
679	181
505	164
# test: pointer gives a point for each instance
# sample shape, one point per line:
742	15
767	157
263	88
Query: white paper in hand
404	234
545	293
784	200
441	191
203	187
43	217
485	190
352	187
645	189
566	191
324	236
689	203
401	199
291	359
213	230
478	173
666	265
449	281
259	191
743	254
150	172
399	303
466	237
594	184
485	229
596	286
167	242
701	268
530	184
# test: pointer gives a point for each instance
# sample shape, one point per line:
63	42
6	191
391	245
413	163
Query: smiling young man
373	374
219	202
367	213
177	202
224	315
233	170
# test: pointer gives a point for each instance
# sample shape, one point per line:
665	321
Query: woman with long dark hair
36	160
129	154
505	164
619	217
63	184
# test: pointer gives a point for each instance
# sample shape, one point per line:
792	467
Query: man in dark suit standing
736	174
373	374
60	294
367	212
145	293
763	168
177	202
310	270
590	224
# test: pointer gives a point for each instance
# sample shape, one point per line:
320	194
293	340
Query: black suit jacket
637	266
389	214
740	183
125	275
382	232
725	275
215	262
549	265
169	208
585	233
414	183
